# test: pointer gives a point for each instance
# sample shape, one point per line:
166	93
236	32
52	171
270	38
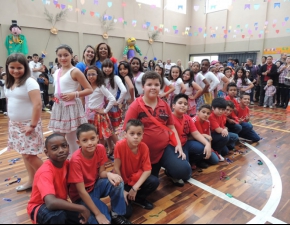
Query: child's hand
126	197
84	215
231	121
178	149
132	194
191	97
129	101
207	151
101	111
208	137
27	130
225	133
102	219
115	179
68	96
241	120
162	95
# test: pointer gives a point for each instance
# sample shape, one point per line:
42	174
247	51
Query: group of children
158	133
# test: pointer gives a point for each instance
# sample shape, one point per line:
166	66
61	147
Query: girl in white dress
68	111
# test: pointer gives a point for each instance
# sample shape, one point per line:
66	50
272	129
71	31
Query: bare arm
130	87
178	148
206	87
78	76
226	83
53	203
198	89
183	88
171	89
200	138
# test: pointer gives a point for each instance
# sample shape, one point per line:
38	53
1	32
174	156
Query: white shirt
212	80
166	84
138	83
177	85
167	68
220	76
189	90
66	83
33	65
240	85
96	99
19	104
2	93
114	90
199	78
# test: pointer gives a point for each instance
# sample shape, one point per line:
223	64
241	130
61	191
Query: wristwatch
32	126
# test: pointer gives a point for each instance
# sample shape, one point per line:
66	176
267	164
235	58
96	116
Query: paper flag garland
200	30
247	6
110	4
174	27
286	18
96	2
82	2
196	7
276	5
256	6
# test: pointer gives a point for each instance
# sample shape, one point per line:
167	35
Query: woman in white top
174	77
137	71
113	83
193	91
211	78
68	112
166	87
201	81
96	112
24	111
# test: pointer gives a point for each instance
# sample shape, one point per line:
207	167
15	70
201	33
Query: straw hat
53	30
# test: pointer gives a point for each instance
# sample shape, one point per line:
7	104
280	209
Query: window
216	5
176	6
156	3
199	58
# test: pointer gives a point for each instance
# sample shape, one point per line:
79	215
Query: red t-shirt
234	101
269	67
48	180
216	122
243	113
132	165
85	170
188	127
202	127
234	117
156	138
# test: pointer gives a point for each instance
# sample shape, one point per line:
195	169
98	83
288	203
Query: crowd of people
171	117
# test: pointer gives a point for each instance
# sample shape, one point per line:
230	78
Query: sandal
23	188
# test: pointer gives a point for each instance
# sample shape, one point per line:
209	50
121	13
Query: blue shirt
99	65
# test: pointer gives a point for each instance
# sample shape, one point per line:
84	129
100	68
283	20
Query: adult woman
103	51
89	58
151	65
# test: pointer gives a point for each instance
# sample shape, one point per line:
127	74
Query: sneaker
5	113
176	182
265	106
271	107
45	109
143	204
120	220
221	159
202	165
252	103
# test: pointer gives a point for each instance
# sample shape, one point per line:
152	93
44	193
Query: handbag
172	137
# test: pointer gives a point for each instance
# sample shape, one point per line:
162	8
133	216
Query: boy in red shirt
132	163
233	122
89	180
232	93
197	149
48	202
203	126
159	131
219	132
244	118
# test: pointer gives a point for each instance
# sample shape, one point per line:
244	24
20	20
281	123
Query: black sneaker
120	220
144	204
202	165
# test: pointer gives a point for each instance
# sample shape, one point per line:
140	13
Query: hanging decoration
16	42
153	36
53	20
131	48
107	23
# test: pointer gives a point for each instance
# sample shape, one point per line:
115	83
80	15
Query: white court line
261	216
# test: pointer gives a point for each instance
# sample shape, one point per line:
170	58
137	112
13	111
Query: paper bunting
124	4
256	28
204	35
196	7
69	0
255	24
256	6
200	30
144	26
97	14
190	34
288	30
260	35
234	36
176	31
82	2
276	5
166	30
277	31
63	6
247	25
250	31
55	2
243	36
274	21
174	27
96	2
83	12
77	10
125	23
134	23
161	25
213	7
225	36
286	18
187	28
121	20
247	6
69	7
92	13
148	24
283	23
110	4
180	7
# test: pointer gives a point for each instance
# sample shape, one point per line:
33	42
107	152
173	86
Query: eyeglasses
92	75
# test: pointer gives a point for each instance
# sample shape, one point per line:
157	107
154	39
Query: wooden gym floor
238	192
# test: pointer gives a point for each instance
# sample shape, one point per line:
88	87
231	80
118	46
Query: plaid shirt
283	74
270	90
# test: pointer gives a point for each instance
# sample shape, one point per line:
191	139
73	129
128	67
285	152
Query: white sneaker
271	107
252	103
265	106
5	113
221	158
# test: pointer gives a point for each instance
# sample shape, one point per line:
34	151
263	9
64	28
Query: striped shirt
270	90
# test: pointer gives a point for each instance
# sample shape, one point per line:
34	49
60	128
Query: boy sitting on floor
132	163
48	203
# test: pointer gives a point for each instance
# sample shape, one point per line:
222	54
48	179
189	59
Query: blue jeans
175	167
234	128
219	143
102	189
46	216
233	138
248	132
